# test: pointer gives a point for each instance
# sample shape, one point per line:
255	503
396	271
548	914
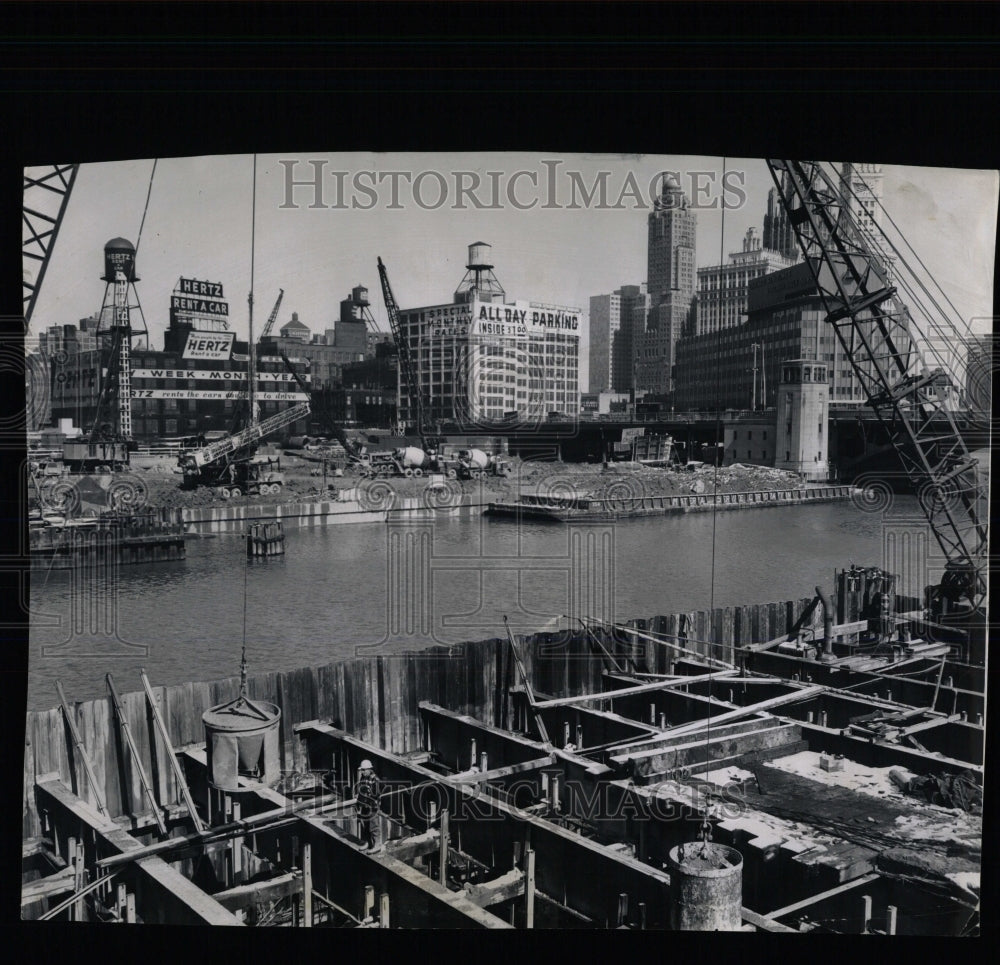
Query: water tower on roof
479	281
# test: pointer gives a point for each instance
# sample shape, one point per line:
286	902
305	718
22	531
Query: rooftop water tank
119	253
479	255
242	739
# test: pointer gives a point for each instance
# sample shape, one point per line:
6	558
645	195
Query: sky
556	238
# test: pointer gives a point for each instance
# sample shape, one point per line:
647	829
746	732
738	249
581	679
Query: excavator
848	258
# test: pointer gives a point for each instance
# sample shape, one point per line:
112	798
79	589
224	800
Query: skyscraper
778	233
616	321
862	185
722	289
671	280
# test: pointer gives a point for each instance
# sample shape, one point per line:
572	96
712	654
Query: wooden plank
504	888
822	896
728	637
765	924
638	689
60	883
716	719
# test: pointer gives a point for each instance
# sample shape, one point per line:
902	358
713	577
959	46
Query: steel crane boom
407	369
875	331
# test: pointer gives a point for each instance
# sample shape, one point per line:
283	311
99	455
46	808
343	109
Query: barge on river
556	508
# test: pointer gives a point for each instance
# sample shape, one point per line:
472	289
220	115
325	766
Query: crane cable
705	831
251	374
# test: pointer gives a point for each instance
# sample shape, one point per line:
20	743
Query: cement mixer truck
408	461
474	463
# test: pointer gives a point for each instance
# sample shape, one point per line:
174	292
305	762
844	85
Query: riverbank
158	487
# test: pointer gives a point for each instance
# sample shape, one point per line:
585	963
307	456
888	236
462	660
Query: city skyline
318	254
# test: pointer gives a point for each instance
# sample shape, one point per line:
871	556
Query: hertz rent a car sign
209	345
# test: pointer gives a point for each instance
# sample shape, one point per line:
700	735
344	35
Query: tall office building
616	320
671	278
778	233
605	323
863	185
722	289
484	358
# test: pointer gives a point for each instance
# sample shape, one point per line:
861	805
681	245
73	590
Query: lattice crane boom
874	330
407	369
272	318
41	228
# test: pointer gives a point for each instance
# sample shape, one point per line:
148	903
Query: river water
374	588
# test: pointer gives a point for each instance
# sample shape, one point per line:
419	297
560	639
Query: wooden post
579	736
642	915
136	760
652	713
178	773
483	763
443	866
130	908
890	920
71	861
529	888
866	913
383	911
622	909
237	848
565	739
81	879
369	905
307	885
71	724
472	754
121	901
555	792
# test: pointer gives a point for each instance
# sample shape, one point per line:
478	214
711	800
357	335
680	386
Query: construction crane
41	228
352	449
878	336
242	415
272	318
210	462
408	381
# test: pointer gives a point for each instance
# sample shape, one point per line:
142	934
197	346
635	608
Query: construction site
810	765
759	768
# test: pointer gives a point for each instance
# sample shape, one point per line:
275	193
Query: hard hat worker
367	795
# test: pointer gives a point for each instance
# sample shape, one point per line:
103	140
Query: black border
911	84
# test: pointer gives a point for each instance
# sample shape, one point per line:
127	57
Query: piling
265	539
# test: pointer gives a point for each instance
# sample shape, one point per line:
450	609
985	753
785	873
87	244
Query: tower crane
911	401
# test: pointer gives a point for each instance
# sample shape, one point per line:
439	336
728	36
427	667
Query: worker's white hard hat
366	766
